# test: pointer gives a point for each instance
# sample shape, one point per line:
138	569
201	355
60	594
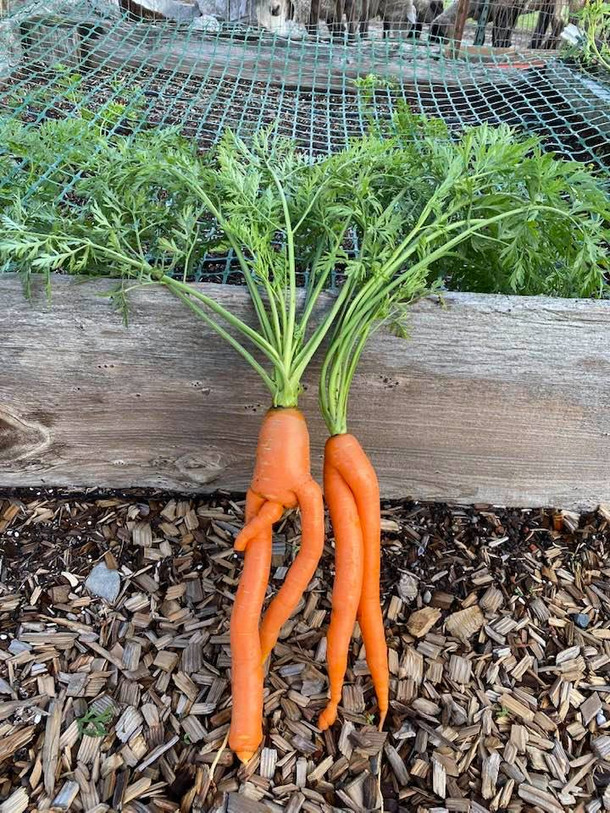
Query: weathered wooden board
494	399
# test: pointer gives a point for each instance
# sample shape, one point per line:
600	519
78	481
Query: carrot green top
488	212
393	215
146	208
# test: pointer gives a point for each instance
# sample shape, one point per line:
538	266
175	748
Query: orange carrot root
269	513
302	569
347	587
347	455
246	732
281	479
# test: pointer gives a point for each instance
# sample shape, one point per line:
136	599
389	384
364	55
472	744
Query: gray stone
207	23
16	647
104	582
581	620
408	587
229	10
172	9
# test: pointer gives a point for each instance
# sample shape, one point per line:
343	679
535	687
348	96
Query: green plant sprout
595	21
93	723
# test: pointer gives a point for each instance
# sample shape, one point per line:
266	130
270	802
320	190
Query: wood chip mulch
499	635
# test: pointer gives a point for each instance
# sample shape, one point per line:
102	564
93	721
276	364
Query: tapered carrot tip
268	641
245	756
382	717
328	717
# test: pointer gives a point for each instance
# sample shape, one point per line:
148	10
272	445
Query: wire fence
204	74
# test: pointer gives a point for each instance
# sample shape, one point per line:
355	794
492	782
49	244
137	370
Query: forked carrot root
247	674
345	454
347	586
282	479
301	571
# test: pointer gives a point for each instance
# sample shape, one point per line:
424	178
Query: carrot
309	205
247	677
282	479
348	457
347	586
302	569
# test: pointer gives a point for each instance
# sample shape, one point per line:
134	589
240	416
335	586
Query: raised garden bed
493	399
245	80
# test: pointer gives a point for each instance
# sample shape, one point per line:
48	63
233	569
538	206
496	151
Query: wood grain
494	399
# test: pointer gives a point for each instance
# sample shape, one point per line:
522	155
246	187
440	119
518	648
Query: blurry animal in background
503	15
341	17
408	17
551	19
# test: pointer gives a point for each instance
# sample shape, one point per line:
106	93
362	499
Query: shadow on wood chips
499	642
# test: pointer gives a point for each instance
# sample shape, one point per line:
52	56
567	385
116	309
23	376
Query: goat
290	16
503	14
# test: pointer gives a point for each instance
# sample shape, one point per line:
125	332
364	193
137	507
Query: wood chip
489	775
465	623
539	798
17	802
50	748
460	669
500	704
422	621
268	763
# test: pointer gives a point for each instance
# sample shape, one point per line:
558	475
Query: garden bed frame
494	399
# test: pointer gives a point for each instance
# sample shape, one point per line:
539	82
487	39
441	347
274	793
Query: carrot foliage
489	212
146	210
402	211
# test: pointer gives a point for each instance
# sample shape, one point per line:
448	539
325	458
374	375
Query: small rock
427	597
206	23
422	621
104	582
581	620
600	718
17	647
407	587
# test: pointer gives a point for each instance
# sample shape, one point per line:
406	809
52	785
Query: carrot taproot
347	587
247	675
282	479
349	458
301	571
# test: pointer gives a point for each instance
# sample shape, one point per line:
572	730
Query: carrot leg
349	457
247	675
269	513
302	569
347	586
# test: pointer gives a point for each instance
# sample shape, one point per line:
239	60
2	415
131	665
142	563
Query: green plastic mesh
138	74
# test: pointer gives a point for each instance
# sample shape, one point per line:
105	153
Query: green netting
92	59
